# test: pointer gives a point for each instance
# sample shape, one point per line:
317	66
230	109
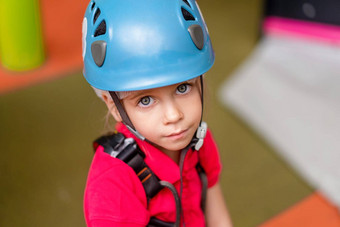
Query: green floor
46	133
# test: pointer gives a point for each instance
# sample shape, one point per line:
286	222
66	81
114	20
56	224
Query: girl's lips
177	135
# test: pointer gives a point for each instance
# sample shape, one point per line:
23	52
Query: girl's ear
111	106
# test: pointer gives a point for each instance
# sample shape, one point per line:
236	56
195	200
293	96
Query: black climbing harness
127	150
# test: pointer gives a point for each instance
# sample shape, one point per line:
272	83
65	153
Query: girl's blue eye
183	88
145	101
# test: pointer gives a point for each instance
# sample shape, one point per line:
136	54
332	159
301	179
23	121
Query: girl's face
166	116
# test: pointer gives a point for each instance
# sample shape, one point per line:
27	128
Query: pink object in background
273	25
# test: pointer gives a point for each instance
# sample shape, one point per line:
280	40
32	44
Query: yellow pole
21	43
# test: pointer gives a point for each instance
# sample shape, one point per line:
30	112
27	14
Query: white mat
288	90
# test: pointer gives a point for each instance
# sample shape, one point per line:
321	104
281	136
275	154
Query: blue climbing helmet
143	44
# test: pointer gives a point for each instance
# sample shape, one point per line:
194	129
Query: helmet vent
101	29
96	15
187	15
92	6
186	2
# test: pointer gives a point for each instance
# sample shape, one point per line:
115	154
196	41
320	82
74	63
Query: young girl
146	59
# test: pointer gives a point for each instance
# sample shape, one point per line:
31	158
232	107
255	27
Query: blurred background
49	117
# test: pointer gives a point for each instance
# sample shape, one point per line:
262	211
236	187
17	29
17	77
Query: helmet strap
201	81
124	115
198	139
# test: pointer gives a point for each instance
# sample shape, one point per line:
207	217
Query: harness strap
127	150
115	144
204	181
154	222
177	201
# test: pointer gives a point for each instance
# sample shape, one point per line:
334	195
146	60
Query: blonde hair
120	94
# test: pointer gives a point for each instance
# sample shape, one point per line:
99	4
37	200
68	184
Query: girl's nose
172	112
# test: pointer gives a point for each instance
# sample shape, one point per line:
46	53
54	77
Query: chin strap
124	116
201	131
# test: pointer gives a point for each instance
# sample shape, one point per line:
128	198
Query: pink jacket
114	195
